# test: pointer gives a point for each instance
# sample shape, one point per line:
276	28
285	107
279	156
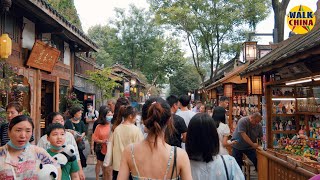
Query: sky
95	12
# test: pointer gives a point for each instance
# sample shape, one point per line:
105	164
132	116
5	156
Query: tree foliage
107	40
208	25
101	79
184	80
134	40
68	10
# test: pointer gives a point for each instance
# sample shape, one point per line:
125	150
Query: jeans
250	153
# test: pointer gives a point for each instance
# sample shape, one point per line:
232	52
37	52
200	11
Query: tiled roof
226	68
292	46
63	21
234	72
131	73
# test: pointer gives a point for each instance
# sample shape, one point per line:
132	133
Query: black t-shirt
180	128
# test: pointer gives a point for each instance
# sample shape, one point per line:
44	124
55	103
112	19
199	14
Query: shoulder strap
94	113
225	167
169	162
174	167
134	161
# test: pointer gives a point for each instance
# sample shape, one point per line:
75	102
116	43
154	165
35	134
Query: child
56	137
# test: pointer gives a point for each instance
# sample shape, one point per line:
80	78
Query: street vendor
248	131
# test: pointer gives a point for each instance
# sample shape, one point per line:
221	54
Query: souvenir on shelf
295	126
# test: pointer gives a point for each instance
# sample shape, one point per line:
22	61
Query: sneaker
101	175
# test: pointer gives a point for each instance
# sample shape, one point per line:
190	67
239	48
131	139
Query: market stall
291	108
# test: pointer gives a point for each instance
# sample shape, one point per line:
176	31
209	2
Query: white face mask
109	118
90	109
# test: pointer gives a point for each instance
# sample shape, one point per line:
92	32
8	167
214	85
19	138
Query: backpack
94	112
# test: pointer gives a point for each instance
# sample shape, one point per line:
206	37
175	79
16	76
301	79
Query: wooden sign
43	56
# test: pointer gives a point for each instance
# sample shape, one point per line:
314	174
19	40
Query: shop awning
84	90
232	77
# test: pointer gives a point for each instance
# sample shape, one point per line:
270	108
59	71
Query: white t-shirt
223	130
186	115
92	115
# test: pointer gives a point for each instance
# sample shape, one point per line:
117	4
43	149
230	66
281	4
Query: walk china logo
301	19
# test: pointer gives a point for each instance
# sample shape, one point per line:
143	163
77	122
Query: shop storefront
42	59
291	108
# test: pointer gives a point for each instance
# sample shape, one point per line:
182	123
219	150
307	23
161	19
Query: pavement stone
89	172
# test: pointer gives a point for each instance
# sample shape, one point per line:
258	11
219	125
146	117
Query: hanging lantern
249	51
5	46
254	85
6	5
133	82
228	90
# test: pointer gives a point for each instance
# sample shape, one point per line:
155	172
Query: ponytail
158	118
124	112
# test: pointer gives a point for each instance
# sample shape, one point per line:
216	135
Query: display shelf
275	115
283	97
284	132
308	113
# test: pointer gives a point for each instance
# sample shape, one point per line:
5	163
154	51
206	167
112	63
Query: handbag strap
225	167
174	167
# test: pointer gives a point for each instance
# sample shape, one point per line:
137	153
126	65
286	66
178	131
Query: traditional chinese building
44	45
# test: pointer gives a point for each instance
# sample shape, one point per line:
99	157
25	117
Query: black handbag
81	145
98	147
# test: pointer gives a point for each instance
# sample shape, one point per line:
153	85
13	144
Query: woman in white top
125	132
202	146
222	129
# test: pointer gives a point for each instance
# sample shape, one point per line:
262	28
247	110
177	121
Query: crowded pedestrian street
158	89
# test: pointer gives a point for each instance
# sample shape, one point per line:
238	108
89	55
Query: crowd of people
170	140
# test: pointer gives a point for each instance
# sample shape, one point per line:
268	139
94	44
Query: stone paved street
89	172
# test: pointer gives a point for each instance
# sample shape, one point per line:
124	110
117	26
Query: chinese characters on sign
43	56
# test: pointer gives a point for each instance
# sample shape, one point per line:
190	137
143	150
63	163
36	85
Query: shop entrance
47	102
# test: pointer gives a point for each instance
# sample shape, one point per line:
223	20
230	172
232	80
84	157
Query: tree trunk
195	60
279	10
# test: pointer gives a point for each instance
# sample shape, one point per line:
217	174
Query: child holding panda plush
56	137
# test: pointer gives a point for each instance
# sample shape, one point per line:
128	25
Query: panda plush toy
47	171
67	155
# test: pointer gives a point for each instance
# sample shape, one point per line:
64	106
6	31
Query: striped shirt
4	138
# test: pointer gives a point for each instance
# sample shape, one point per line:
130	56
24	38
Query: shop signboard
43	56
126	89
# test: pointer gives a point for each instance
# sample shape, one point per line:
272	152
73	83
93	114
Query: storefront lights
228	90
5	46
299	81
133	82
254	85
250	51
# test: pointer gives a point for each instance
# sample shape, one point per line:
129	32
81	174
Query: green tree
106	38
101	79
184	80
208	25
134	40
279	9
68	10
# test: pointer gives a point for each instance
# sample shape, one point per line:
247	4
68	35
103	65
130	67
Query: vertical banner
264	122
126	89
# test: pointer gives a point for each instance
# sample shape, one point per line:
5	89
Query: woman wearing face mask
78	129
100	137
18	158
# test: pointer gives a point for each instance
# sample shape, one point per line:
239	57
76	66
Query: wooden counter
273	168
